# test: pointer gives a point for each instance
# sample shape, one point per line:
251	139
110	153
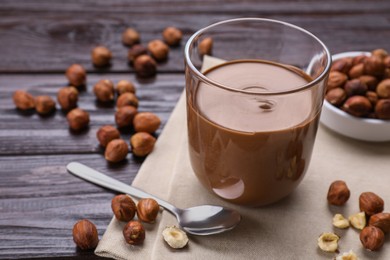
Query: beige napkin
286	230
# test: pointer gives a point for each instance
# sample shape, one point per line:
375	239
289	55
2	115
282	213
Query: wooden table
39	39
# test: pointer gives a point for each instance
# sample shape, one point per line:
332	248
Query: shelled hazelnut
76	74
158	49
381	53
101	56
106	134
127	99
44	105
67	97
355	87
147	210
78	119
382	109
146	122
356	71
342	65
142	143
125	86
374	66
338	193
124	116
85	234
370	203
358	106
172	36
205	47
116	150
381	221
370	81
372	238
134	232
123	207
136	51
383	89
145	66
104	90
130	37
23	100
336	80
336	96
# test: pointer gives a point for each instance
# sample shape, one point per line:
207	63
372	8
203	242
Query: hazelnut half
78	119
328	242
76	75
158	49
372	238
23	100
146	122
172	36
205	47
358	220
106	134
175	237
67	97
370	203
142	143
44	105
130	37
147	210
381	220
124	116
382	109
104	90
145	66
125	86
116	151
101	56
127	99
340	222
85	234
338	193
123	207
134	232
347	256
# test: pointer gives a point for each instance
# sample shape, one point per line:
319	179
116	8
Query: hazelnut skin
356	71
101	56
147	210
336	80
116	150
338	193
374	66
342	65
85	234
130	37
44	105
383	89
205	47
372	238
145	66
76	74
158	49
381	221
172	36
125	86
123	207
146	122
106	134
23	100
382	109
78	119
67	97
357	106
355	87
136	51
336	96
370	203
124	116
104	90
134	232
127	99
142	143
370	81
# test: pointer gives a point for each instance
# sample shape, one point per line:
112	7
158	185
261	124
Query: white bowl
374	130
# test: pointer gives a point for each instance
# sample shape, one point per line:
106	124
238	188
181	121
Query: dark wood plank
33	134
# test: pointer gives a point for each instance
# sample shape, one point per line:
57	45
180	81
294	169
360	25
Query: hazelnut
372	96
125	86
146	122
172	36
145	66
370	203
124	116
336	80
85	234
175	237
340	222
347	256
23	100
101	56
328	242
134	233
76	75
78	119
205	47
358	59
44	105
357	106
383	89
381	53
116	150
374	66
386	74
358	220
67	97
386	61
355	87
342	65
382	109
372	238
336	96
147	210
158	49
106	134
123	207
370	81
381	220
356	71
142	143
136	51
130	37
104	90
127	99
338	193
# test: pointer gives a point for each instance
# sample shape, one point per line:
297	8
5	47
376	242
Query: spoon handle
84	172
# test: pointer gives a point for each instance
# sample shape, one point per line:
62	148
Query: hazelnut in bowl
357	100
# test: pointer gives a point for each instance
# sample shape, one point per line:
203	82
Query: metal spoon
200	220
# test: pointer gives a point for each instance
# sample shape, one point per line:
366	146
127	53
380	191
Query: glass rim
200	75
